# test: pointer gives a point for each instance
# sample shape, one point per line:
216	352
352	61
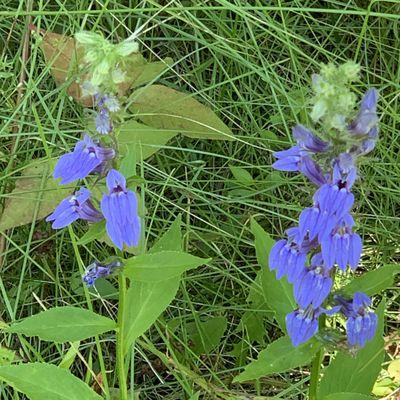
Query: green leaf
205	335
63	324
163	107
35	196
138	75
142	141
356	374
373	282
46	382
279	356
171	240
278	293
70	356
347	396
6	356
95	231
241	175
145	301
155	267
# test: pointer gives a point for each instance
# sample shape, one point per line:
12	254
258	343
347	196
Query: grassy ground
251	62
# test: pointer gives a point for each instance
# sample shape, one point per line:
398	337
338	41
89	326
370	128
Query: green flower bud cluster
105	60
333	102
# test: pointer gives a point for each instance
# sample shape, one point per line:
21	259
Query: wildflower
85	159
77	206
362	322
97	270
314	284
120	210
288	257
288	160
302	324
367	118
342	246
308	141
108	101
103	122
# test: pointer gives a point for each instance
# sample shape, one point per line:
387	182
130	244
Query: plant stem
123	389
314	378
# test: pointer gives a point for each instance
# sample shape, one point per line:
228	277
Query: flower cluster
324	240
96	155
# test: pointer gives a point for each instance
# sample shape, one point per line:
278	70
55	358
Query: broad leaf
162	107
373	282
356	374
241	175
96	231
142	141
155	267
63	324
146	301
347	396
46	382
279	356
35	196
171	240
278	293
206	335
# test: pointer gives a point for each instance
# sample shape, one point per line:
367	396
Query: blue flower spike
120	209
97	270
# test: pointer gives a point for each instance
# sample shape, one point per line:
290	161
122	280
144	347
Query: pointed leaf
141	140
373	282
35	196
356	374
63	324
279	356
46	382
206	335
147	300
347	396
155	267
278	293
138	75
162	107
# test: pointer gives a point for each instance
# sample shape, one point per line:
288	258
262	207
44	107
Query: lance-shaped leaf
156	267
145	301
63	324
35	195
347	373
141	141
278	293
279	356
165	108
46	382
373	282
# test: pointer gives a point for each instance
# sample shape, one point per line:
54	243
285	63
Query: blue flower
97	270
302	324
108	101
74	207
367	118
103	122
308	141
120	210
288	160
86	158
296	159
362	322
288	257
342	246
314	284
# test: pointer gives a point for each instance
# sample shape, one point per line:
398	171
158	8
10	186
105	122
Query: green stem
316	365
314	378
123	388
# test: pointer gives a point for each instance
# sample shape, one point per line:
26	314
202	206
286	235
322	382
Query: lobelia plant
108	201
317	254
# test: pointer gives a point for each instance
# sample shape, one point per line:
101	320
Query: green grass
251	63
